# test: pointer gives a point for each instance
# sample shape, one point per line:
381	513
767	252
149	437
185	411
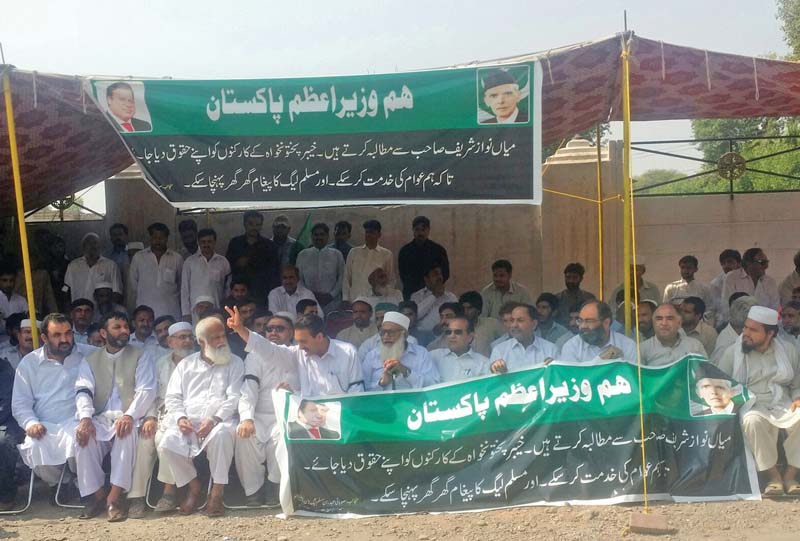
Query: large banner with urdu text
468	135
549	435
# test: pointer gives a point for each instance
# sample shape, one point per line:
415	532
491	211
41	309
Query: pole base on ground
649	523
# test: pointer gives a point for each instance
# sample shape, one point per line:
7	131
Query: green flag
303	239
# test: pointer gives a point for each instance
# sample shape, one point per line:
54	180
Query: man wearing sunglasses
458	361
752	279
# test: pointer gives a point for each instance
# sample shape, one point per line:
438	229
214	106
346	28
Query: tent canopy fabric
66	144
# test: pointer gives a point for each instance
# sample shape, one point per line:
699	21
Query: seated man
201	401
18	327
644	321
458	361
141	322
280	329
256	437
180	340
770	369
548	328
374	341
82	314
398	363
524	349
307	306
43	402
430	298
260	321
10	435
408	309
504	315
104	301
362	327
669	343
115	388
487	329
574	313
326	366
596	341
285	297
447	311
161	327
380	290
737	315
692	310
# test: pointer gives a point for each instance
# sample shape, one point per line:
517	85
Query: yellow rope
573	196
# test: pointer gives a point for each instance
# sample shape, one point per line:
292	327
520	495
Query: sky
258	39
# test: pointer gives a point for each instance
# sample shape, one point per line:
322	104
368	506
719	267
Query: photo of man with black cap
501	94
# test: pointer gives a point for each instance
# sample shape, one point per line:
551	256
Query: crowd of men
148	354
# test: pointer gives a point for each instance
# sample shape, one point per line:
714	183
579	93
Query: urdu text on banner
451	136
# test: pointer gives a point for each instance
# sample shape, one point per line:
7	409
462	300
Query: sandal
774	489
793	488
166	504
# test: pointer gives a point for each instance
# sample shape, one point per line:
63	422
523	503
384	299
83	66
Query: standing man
502	289
770	369
362	260
115	388
43	401
692	309
118	253
201	401
419	256
646	290
398	363
205	273
790	282
430	298
286	297
362	327
790	323
523	350
572	293
321	268
341	238
143	321
187	230
687	286
729	260
596	341
669	344
155	277
85	272
104	302
281	238
459	361
752	279
255	258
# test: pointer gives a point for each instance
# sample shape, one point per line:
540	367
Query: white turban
764	315
204	298
397	318
103	285
175	328
26	324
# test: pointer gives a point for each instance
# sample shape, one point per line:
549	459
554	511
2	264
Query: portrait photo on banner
712	392
503	95
124	104
309	420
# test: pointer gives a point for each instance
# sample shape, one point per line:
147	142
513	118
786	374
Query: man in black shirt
255	258
419	256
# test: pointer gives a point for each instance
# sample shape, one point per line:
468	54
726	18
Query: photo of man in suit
310	424
502	95
122	108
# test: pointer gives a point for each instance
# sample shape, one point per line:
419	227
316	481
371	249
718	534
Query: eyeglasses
390	332
581	321
275	328
761	262
457	332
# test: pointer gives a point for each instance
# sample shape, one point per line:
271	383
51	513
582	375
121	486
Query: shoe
255	500
166	504
272	494
136	508
117	512
93	509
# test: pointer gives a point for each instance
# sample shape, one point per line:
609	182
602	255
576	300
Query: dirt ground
767	520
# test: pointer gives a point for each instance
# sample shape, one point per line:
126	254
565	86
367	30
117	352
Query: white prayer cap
204	298
287	315
361	299
90	235
103	285
397	318
135	246
26	324
764	315
175	328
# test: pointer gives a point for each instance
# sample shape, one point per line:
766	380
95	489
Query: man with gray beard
201	401
398	363
180	340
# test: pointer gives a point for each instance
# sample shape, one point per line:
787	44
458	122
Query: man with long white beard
770	369
201	401
115	388
43	400
256	435
180	340
398	363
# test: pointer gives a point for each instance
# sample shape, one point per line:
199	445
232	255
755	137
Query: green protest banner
547	435
470	135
